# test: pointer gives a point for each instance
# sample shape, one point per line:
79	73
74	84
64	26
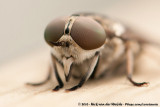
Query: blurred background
22	22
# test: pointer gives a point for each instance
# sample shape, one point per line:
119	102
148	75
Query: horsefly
87	45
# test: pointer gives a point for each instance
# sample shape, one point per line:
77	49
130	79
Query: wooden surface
113	88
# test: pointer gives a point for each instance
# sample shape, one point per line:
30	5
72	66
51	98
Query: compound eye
55	29
88	33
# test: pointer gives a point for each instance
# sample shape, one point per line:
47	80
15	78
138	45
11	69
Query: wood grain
113	88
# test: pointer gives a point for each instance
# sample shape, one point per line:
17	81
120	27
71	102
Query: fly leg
88	74
42	82
130	66
54	66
